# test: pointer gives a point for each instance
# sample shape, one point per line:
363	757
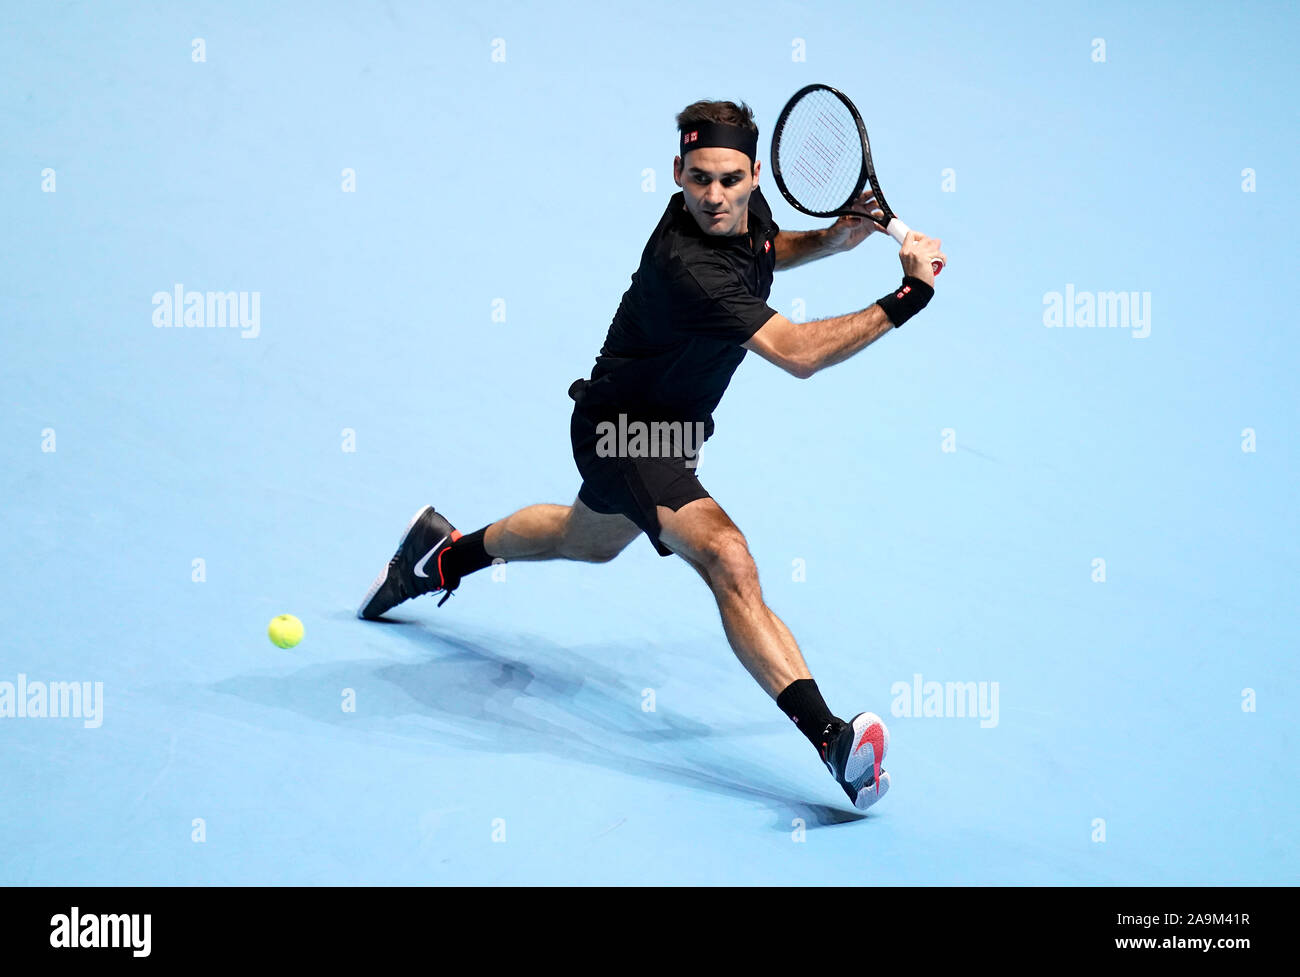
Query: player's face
716	185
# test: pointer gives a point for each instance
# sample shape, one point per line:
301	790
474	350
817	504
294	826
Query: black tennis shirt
676	338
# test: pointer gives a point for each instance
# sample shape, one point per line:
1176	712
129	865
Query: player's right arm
804	348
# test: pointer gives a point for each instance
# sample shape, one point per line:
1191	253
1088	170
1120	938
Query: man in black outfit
696	304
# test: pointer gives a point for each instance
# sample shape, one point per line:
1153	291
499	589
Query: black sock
803	703
466	555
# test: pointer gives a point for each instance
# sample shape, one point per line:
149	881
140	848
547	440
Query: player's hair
709	110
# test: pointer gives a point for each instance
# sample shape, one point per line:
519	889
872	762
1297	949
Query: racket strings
819	152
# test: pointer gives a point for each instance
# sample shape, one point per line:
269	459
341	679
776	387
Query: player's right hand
917	253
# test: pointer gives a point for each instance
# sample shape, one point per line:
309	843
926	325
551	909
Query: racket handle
899	231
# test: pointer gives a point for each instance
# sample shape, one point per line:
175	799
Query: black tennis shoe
854	752
416	568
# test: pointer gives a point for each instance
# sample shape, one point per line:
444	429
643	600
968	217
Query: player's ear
677	170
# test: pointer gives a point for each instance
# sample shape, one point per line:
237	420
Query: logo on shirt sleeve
767	246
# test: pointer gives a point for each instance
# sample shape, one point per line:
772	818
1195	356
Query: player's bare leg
432	556
703	535
560	532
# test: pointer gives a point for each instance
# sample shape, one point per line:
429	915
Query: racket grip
899	231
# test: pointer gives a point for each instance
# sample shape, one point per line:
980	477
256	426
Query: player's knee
575	544
600	555
729	562
598	551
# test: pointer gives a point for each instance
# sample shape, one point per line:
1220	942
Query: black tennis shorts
632	483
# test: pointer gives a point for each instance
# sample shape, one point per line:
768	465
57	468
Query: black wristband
906	301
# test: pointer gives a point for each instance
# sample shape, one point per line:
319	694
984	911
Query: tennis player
696	305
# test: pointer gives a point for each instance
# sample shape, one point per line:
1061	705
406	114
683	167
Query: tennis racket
822	161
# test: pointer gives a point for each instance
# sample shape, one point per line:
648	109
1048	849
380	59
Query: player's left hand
848	232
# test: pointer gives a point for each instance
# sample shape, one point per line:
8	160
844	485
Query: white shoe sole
863	757
383	574
869	795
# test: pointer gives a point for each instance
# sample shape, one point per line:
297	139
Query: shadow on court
516	694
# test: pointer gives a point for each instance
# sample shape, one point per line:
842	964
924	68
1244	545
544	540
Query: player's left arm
794	248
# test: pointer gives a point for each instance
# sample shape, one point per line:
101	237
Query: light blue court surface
934	510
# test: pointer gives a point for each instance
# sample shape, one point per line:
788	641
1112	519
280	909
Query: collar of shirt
760	223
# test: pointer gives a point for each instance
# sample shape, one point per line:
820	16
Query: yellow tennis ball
285	631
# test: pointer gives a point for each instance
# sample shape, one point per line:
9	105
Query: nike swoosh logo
876	737
419	567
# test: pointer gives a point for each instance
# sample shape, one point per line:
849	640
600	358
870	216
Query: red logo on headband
692	136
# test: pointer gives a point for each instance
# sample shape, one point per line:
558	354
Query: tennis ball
285	631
